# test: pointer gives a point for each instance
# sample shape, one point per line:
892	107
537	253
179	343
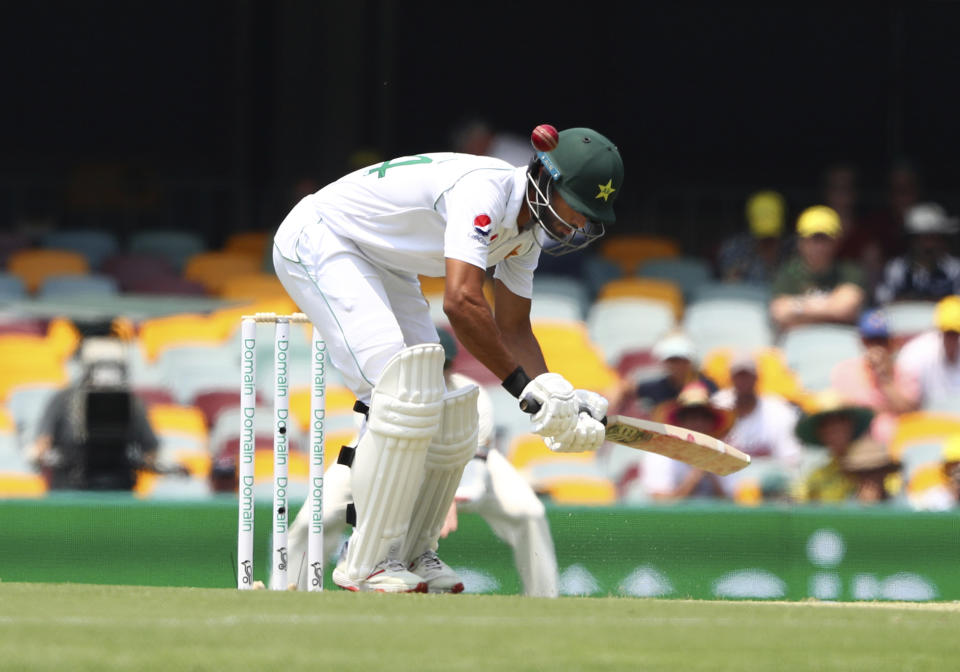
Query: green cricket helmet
585	168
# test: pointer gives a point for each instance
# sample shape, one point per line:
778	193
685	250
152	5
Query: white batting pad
449	452
405	412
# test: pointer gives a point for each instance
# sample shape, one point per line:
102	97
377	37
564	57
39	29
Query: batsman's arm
480	333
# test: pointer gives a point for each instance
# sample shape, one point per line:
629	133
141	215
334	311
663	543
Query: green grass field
85	627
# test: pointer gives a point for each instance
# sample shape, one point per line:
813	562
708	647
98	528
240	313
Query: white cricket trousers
365	313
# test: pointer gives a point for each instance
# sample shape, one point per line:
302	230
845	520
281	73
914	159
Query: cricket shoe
436	573
389	576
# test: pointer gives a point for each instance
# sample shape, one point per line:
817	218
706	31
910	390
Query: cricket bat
693	448
696	449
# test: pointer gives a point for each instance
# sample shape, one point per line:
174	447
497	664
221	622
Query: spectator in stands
874	380
95	434
764	424
755	255
903	192
927	272
858	466
676	353
933	358
665	479
814	286
858	243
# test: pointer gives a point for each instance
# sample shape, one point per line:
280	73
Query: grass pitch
86	627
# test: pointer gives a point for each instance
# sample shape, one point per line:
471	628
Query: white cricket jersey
409	214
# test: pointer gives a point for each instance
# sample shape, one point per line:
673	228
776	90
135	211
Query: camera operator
95	434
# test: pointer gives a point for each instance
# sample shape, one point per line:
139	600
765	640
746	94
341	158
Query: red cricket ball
545	138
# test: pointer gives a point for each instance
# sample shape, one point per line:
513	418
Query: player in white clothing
349	255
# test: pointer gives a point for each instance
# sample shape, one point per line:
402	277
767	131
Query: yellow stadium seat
15	485
921	426
214	269
581	491
156	335
30	360
527	450
33	266
339	400
927	476
629	251
568	351
253	287
176	420
646	288
298	466
248	242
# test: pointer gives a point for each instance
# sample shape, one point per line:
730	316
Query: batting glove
558	404
588	434
593	403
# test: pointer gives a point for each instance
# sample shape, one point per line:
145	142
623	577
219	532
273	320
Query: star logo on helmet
605	190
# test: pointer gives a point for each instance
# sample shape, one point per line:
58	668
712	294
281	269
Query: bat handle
532	406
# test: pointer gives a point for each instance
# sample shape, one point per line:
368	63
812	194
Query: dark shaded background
205	114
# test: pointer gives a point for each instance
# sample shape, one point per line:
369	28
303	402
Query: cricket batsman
350	254
490	486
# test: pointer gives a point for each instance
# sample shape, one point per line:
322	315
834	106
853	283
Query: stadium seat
21	485
688	273
581	491
213	270
909	318
741	291
631	250
813	350
159	334
131	269
30	361
923	427
253	287
95	245
249	242
68	286
727	323
571	289
177	419
555	307
645	288
188	370
622	324
33	266
338	401
568	351
12	287
173	246
26	406
598	271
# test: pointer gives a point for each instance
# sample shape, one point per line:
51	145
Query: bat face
693	448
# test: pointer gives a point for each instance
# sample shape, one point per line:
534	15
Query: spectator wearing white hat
927	272
677	357
764	424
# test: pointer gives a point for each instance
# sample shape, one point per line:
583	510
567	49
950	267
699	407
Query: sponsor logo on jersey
481	224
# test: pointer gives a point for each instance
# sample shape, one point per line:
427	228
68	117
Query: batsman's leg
387	471
450	450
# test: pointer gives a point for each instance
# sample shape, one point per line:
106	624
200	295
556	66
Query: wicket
246	460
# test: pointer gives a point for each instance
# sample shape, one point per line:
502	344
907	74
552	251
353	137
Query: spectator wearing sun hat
857	467
875	380
754	255
933	358
814	286
928	272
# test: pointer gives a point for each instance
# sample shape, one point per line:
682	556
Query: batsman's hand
558	405
594	404
588	434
